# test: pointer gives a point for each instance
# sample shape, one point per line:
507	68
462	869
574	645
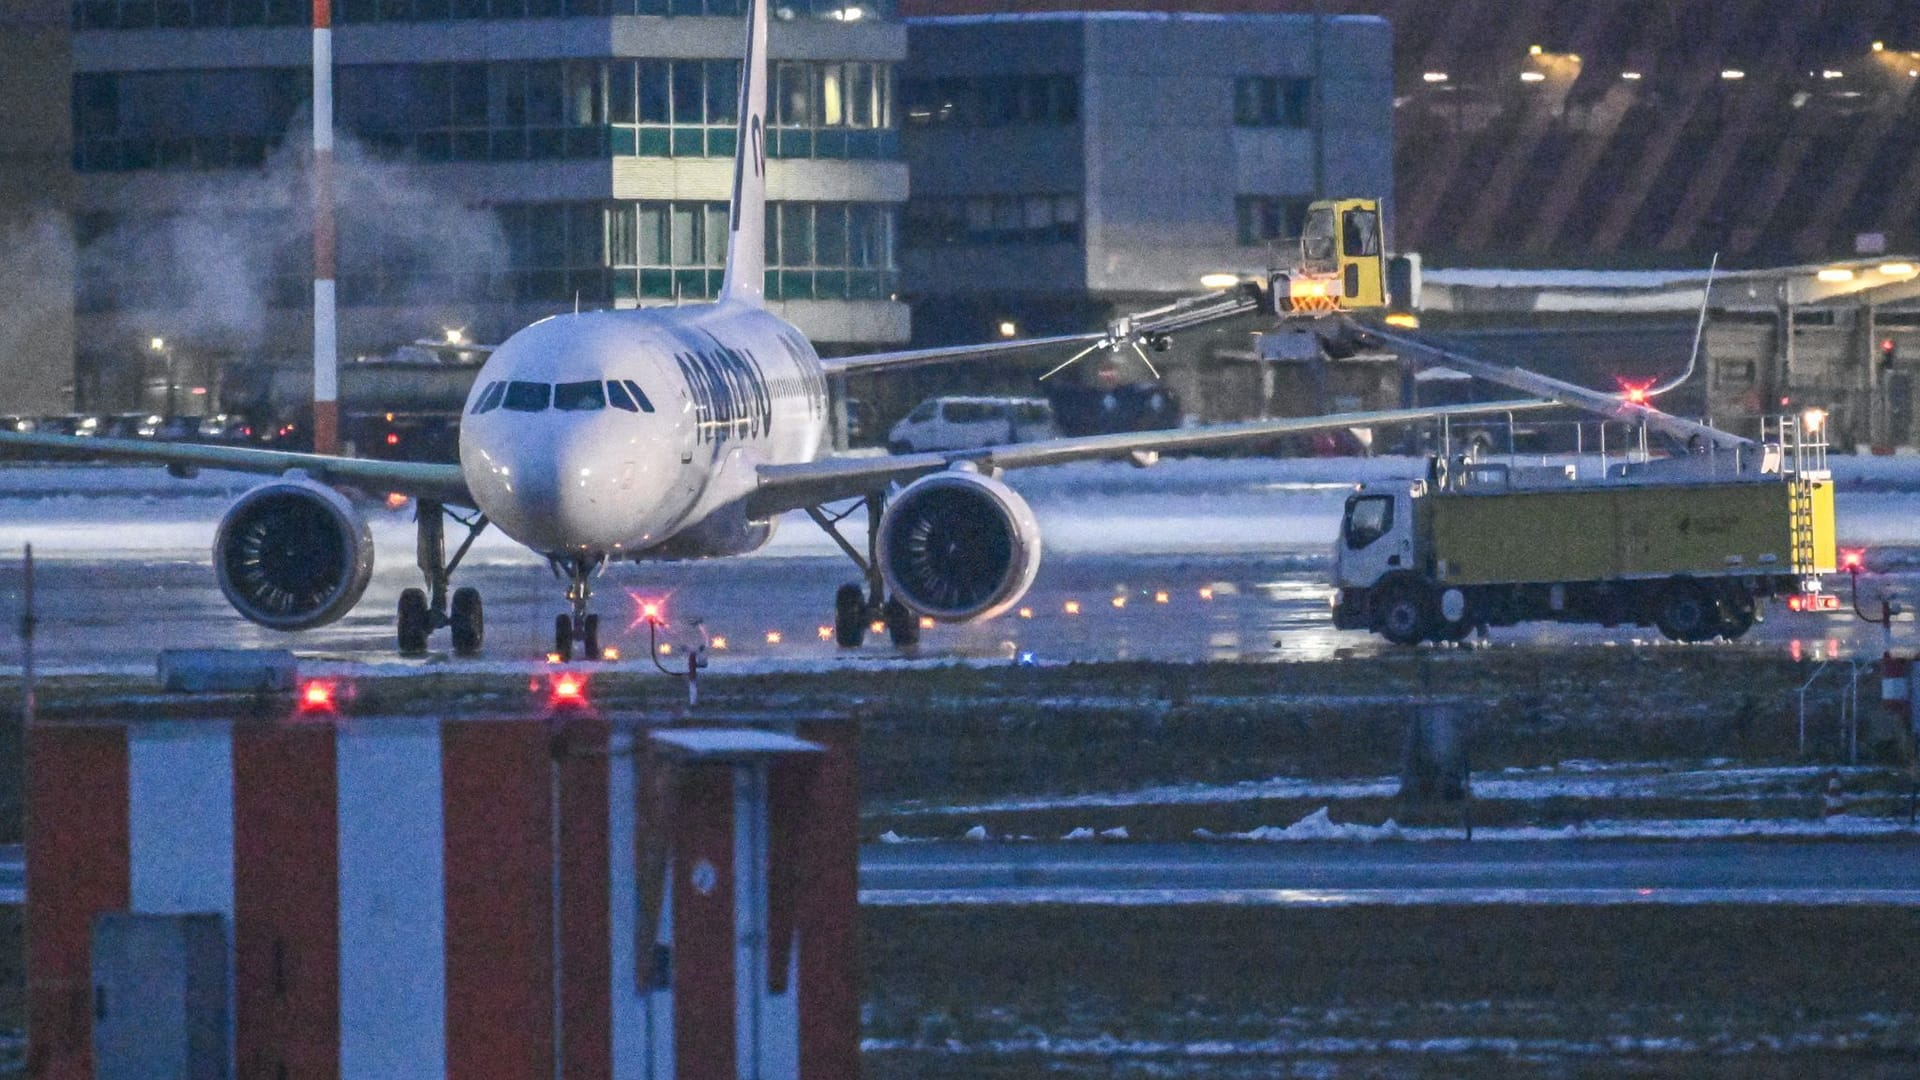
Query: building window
676	250
1267	101
140	14
993	219
992	102
162	120
504	111
1264	218
833	109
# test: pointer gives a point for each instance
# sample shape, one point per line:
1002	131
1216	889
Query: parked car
134	425
957	423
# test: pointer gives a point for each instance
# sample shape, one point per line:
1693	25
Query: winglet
747	218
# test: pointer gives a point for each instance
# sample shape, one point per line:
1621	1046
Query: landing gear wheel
849	616
1406	614
413	623
590	638
563	637
467	622
903	625
1686	612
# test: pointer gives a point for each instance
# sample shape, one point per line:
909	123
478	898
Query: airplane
667	433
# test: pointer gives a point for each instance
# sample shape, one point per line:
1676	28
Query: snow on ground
1180	506
1319	826
1583	779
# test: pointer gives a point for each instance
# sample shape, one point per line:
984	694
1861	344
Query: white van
958	423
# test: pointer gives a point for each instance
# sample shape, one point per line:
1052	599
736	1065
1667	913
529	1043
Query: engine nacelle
959	546
293	554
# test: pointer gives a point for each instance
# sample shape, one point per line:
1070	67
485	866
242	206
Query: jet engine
293	554
958	546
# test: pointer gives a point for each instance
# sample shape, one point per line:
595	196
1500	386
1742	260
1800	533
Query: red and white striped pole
326	374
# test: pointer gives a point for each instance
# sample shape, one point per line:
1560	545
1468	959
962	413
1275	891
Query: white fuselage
616	431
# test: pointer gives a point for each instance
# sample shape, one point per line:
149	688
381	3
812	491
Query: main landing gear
857	608
577	627
422	611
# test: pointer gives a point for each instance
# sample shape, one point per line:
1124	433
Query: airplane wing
441	483
791	487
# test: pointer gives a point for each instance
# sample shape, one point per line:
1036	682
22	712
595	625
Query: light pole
159	346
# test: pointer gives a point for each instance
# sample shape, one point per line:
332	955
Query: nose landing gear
422	611
578	626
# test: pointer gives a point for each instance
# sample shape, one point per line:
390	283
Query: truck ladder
1805	558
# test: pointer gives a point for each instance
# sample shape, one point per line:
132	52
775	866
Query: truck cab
1376	536
1341	266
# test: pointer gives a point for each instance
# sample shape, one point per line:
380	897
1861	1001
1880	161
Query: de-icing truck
1692	545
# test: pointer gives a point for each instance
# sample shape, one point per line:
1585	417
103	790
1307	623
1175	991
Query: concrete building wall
36	192
1158	155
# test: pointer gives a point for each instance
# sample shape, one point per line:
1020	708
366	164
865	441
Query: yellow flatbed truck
1695	552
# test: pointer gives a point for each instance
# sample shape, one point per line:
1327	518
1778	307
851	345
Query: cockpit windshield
527	397
579	396
591	396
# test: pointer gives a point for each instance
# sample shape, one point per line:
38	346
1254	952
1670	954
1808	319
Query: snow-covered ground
1180	506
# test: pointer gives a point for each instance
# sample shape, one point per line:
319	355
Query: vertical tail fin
747	219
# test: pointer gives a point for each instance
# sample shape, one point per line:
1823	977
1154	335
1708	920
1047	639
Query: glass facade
503	111
991	102
992	219
163	119
668	250
600	252
142	14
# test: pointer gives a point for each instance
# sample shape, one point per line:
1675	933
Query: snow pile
977	833
1319	825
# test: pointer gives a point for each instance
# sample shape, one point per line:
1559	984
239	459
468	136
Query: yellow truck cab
1692	545
1342	261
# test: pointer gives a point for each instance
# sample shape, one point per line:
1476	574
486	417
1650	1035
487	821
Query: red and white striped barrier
465	898
1896	688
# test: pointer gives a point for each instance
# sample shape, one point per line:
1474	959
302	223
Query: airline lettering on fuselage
730	394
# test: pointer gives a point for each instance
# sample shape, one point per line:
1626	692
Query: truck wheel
1737	613
1406	614
1686	612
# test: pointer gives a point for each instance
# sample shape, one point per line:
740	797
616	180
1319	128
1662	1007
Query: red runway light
569	689
1853	558
316	696
647	609
393	438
